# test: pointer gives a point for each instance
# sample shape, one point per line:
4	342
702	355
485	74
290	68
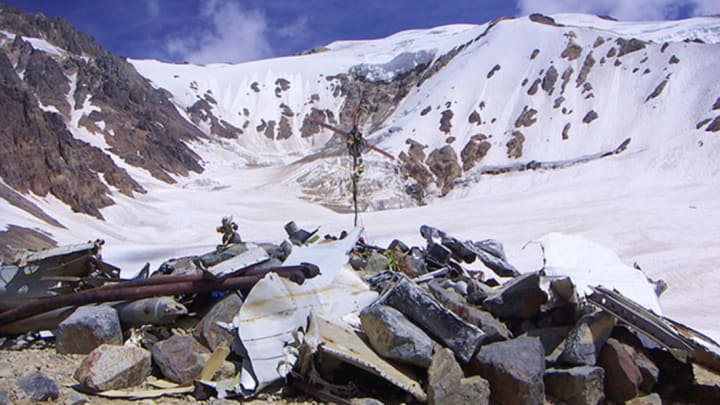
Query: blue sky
205	31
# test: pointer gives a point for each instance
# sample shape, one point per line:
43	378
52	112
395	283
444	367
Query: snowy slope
653	204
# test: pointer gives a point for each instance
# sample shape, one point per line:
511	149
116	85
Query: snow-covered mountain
509	129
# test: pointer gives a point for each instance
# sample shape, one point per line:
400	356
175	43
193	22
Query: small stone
587	338
113	367
514	369
578	385
76	398
650	372
4	400
179	358
622	376
520	298
444	375
87	328
393	336
376	263
652	399
209	330
39	387
472	390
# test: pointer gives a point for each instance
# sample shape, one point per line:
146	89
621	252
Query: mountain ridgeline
453	103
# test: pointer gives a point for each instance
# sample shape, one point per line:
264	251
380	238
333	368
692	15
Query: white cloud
231	34
636	10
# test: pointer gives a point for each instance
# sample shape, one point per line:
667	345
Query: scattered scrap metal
336	318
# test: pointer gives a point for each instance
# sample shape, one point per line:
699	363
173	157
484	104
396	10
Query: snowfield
654	204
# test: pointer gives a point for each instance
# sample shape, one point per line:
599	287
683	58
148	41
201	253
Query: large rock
587	338
393	336
444	376
550	337
515	370
472	390
113	367
579	385
454	301
209	329
432	317
87	328
520	298
39	387
622	375
180	358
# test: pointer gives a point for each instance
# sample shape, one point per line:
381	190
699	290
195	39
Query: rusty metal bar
135	290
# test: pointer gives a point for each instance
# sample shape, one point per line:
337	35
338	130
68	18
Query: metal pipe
170	286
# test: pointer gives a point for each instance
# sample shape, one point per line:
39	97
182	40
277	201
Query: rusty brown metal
152	287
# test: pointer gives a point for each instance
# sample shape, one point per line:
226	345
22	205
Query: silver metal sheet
254	255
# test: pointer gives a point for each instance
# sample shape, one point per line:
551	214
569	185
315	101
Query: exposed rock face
444	165
629	46
446	121
548	82
473	152
515	145
572	51
41	156
526	117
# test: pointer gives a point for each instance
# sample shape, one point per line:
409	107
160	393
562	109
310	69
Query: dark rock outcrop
515	145
473	152
443	163
576	386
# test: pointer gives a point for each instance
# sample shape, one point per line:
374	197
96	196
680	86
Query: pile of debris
338	319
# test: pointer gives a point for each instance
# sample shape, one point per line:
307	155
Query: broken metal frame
680	340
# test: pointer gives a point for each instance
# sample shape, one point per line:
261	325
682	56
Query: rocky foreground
451	322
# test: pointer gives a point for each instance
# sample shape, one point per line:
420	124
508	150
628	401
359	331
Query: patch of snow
48	108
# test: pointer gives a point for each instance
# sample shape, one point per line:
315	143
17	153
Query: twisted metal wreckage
299	301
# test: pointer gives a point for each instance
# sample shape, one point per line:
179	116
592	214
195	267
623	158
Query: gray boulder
587	338
87	328
209	331
576	386
39	387
550	337
515	370
454	301
435	319
447	385
394	337
649	371
622	375
113	367
180	358
520	298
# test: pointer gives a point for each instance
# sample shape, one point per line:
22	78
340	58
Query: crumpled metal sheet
252	256
276	308
590	264
343	343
